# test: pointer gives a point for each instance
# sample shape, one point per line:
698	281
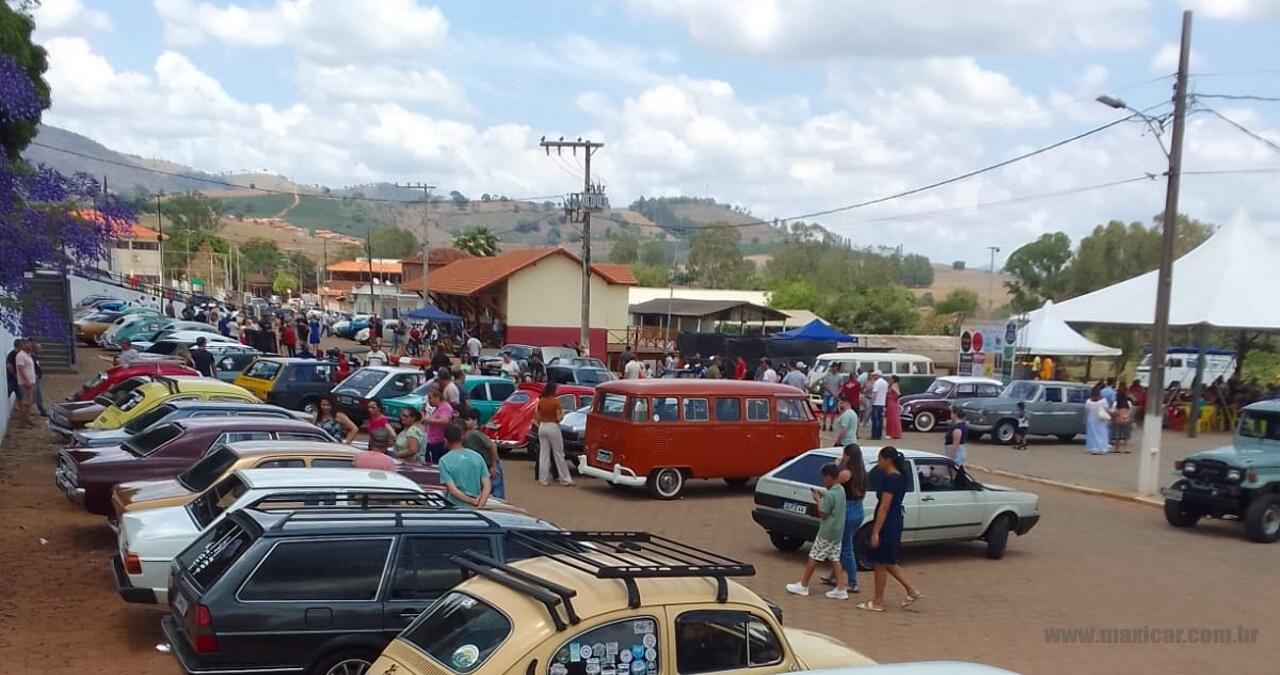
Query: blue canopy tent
430	313
815	330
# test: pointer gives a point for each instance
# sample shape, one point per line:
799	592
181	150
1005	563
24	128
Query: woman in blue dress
886	532
1097	418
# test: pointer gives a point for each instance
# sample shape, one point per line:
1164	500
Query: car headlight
1234	476
1188	468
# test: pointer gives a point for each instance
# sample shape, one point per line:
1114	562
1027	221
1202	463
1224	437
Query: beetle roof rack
625	556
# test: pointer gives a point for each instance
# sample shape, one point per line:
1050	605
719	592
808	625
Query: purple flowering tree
47	220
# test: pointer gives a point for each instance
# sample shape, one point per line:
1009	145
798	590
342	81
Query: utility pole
426	234
160	226
1149	459
373	300
991	279
580	207
324	243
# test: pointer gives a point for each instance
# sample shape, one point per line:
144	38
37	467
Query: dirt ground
1092	563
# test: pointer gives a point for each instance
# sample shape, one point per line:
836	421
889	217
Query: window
148	418
331	463
134	399
666	409
518	398
1053	394
295	463
237	436
593	376
423	570
214	552
757	410
477	393
639	409
339	569
228	399
805	469
611	405
499	391
1175	363
303	436
586	400
622	644
728	410
567	402
1077	395
208	506
938	476
965	390
459	632
794	410
152	439
202	474
986	390
885	367
711	640
311	372
560	375
696	410
866	366
904	367
1260	424
361	382
263	370
919	368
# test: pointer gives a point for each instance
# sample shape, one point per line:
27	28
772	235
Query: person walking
632	370
879	395
886	529
313	334
476	440
473	351
831	383
846	425
463	472
128	354
853	478
767	373
290	339
796	377
713	369
830	503
953	445
24	367
441	417
740	368
375	357
548	415
201	359
333	421
304	332
1096	419
411	442
38	392
1121	420
510	367
1023	419
892	411
452	394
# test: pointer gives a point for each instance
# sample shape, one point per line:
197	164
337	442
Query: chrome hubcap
349	667
668	481
924	421
1271	520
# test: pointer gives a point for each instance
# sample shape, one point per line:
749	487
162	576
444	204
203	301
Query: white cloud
325	30
1235	9
823	29
64	17
379	84
1165	60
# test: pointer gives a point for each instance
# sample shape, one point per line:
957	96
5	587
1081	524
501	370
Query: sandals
870	606
911	599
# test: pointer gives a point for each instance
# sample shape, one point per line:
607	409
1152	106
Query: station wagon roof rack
398	508
625	556
348	500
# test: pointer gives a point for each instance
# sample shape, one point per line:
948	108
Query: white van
1180	366
915	372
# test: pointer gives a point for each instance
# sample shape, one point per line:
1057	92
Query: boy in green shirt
826	546
476	440
463	472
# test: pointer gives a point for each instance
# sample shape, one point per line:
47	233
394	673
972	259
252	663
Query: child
476	440
826	546
1024	423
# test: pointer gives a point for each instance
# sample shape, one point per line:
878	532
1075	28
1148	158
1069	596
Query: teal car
1240	481
485	393
142	329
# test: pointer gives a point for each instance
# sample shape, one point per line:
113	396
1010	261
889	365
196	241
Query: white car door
947	508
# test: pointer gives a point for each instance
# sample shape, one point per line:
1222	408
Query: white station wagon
942	504
150	539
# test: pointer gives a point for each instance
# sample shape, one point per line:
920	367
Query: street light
1155	124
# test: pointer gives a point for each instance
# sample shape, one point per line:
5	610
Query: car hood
136	493
511	422
916	398
1244	457
816	650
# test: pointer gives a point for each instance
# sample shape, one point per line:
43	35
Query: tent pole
1197	384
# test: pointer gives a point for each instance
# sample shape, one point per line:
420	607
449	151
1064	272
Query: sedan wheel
925	422
1004	432
349	666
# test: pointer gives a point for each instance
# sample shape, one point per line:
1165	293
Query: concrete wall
548	294
6	403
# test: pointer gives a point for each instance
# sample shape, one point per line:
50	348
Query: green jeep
1241	480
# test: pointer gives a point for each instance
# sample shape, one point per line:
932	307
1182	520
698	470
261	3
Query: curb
1083	489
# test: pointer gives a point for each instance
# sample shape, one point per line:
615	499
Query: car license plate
796	507
604	456
181	604
1172	494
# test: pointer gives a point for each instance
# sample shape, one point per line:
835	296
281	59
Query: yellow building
537	295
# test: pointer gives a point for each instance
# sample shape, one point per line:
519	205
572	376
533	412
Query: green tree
656	253
1040	271
651	275
917	271
715	261
958	301
392	242
1116	251
459	200
625	250
15	42
876	310
302	267
794	294
181	246
259	255
478	241
283	282
192	211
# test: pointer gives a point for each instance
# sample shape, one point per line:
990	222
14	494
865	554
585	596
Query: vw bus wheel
666	483
925	422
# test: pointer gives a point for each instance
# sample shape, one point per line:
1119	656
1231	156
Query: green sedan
485	393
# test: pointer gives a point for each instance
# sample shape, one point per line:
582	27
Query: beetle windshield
1022	391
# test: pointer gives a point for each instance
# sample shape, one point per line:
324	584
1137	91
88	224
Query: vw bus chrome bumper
620	475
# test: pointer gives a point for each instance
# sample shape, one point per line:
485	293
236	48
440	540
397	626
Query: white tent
1048	334
1228	281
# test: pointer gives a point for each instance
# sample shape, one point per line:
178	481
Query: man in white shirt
796	377
634	370
509	367
128	355
25	368
444	380
375	357
879	393
473	348
767	373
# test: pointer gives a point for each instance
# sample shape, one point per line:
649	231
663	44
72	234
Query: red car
108	378
510	425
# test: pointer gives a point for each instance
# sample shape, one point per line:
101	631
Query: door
260	377
313	590
1076	398
661	432
497	393
730	440
948	506
795	431
1052	414
759	431
421	573
701	449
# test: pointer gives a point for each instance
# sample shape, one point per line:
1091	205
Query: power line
1243	129
1240	97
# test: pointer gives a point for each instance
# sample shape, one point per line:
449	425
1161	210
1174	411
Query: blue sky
782	107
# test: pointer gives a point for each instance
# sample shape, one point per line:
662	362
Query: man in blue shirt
1109	392
463	472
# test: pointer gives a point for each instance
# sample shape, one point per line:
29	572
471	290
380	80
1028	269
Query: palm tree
478	241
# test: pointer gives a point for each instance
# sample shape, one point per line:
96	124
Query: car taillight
206	641
132	563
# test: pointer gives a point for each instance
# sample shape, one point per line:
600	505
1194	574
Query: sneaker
838	594
798	589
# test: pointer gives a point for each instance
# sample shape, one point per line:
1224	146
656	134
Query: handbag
1103	414
1122	416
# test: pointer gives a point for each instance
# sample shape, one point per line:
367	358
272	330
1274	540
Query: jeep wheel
924	422
1004	431
1262	519
1178	516
861	545
346	662
665	483
998	537
784	543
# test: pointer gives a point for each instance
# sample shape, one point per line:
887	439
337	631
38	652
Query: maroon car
88	476
929	409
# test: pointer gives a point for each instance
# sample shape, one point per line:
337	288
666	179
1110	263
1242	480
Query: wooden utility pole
373	300
590	199
426	234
